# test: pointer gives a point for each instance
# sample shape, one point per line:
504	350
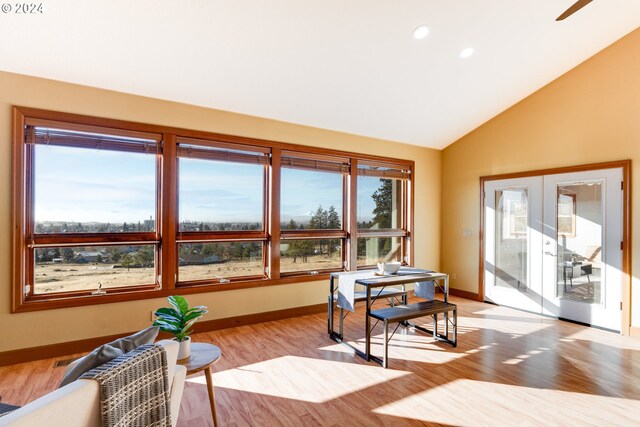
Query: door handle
549	253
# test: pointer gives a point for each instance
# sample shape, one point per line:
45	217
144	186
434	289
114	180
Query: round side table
203	355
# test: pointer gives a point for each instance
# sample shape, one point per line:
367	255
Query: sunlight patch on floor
512	326
417	347
302	378
338	348
415	350
523	357
612	339
509	405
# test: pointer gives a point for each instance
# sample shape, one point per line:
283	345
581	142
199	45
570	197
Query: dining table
375	287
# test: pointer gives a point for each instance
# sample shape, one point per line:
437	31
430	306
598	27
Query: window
92	268
92	189
512	213
383	222
567	214
311	212
107	211
221	210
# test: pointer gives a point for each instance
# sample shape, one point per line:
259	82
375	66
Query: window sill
59	301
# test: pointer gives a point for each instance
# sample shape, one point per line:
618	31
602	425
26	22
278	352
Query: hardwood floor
510	368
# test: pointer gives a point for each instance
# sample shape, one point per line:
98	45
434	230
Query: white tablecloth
347	287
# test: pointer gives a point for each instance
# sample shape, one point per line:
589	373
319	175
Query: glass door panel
511	238
582	263
513	243
579	237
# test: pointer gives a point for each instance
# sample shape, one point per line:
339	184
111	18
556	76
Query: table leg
455	326
367	324
330	307
385	359
330	315
212	401
446	314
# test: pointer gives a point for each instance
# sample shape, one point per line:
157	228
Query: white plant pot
185	348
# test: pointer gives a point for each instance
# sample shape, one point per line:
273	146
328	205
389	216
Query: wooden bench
361	296
403	313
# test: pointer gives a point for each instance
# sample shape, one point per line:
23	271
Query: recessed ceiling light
467	52
421	32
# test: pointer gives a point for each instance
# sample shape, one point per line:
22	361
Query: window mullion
274	185
168	212
352	224
409	197
312	234
92	239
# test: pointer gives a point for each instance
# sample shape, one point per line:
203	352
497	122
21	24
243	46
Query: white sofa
78	403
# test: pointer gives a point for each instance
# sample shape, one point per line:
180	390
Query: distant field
60	277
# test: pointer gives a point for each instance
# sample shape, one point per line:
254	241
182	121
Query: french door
552	245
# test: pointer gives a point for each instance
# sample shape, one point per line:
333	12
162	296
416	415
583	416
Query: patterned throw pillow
108	352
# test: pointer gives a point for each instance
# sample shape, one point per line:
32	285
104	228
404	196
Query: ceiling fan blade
573	9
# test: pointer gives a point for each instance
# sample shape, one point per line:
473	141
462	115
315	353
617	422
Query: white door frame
626	226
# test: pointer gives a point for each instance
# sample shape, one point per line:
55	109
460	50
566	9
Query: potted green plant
178	320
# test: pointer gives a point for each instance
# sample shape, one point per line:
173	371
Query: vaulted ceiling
352	66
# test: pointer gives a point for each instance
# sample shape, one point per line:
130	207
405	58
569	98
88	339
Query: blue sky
76	185
86	185
303	191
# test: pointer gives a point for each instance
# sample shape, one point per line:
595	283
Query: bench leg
446	324
455	326
435	325
385	359
330	314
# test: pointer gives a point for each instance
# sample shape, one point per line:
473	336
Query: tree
292	225
68	255
145	257
333	223
115	253
127	261
300	249
333	219
383	198
320	221
294	250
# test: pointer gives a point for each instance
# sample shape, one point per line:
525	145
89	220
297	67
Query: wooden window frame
33	241
219	153
327	164
167	235
403	172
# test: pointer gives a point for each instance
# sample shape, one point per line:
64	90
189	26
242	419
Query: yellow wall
54	326
589	115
